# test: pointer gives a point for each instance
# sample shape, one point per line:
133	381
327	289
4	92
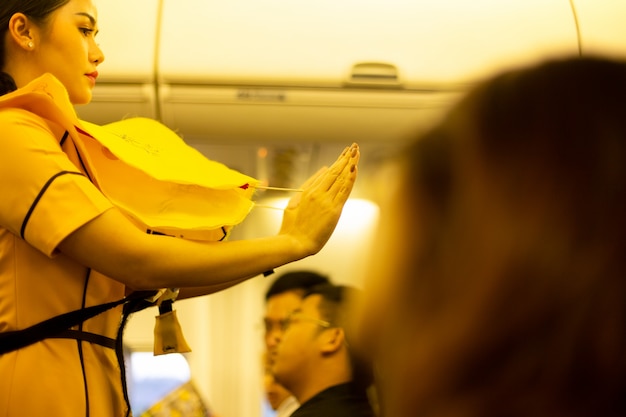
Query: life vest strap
97	339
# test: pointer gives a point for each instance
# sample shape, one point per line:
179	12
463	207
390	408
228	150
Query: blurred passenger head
503	244
283	296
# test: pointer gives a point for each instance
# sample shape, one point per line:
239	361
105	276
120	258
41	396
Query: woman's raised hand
311	216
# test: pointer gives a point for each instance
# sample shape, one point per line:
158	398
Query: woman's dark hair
37	10
519	285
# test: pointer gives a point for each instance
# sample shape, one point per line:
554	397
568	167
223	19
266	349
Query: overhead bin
602	27
276	70
330	70
216	70
280	42
276	114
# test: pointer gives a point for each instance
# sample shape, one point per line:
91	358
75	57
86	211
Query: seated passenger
282	297
314	359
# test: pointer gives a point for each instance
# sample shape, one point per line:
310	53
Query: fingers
340	177
343	188
337	179
315	177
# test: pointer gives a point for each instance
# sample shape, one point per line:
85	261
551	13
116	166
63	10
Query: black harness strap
59	327
134	305
51	328
98	339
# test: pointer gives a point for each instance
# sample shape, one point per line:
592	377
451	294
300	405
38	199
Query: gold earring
31	44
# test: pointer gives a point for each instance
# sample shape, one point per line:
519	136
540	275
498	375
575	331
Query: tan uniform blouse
46	194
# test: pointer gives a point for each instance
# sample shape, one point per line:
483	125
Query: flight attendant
65	247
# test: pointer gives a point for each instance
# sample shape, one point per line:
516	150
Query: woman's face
66	48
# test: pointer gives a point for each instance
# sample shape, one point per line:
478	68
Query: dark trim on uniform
80	159
65	136
79	344
82	164
154	232
40	195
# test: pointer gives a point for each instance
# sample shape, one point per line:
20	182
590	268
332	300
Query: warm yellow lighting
358	214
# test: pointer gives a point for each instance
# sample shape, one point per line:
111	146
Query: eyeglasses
271	326
297	316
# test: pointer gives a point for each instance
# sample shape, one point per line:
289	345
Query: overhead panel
340	70
319	43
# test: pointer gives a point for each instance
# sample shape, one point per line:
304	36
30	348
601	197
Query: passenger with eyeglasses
313	358
282	297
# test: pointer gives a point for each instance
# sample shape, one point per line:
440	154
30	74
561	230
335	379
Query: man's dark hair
336	306
296	280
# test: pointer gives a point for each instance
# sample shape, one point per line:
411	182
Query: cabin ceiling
303	80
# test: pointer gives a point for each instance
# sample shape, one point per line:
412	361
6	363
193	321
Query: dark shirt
344	400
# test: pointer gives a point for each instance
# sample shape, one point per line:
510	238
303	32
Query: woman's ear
334	339
22	31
